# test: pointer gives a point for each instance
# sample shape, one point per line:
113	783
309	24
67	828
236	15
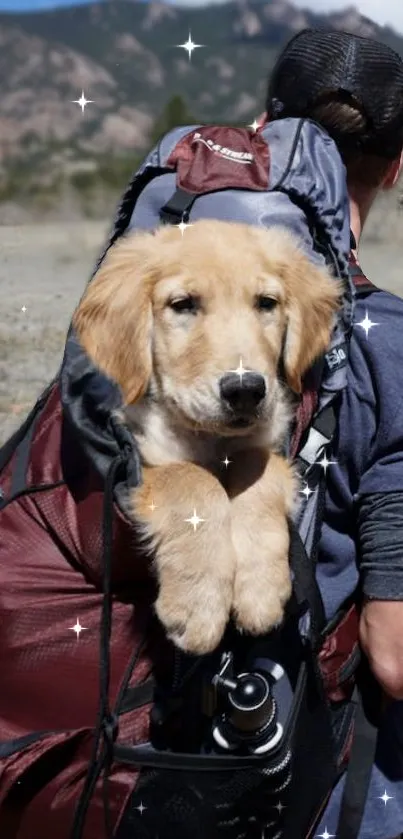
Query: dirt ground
43	272
44	269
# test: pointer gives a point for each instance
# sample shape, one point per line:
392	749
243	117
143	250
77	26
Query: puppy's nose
242	393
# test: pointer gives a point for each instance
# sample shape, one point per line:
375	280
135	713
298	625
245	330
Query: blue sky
382	11
34	5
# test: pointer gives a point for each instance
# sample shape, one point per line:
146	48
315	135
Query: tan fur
168	366
195	566
262	489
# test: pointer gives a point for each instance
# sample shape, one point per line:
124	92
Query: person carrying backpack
115	732
353	87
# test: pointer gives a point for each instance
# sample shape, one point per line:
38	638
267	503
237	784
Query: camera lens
251	703
251	692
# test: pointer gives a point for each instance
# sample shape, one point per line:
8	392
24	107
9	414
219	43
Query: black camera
248	716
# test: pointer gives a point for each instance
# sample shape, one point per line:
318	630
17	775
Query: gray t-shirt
362	536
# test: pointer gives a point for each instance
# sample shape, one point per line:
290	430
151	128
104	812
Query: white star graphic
141	808
23	309
82	101
385	797
254	125
77	628
307	491
189	46
195	520
326	835
366	324
183	225
325	463
152	507
241	370
280	807
226	462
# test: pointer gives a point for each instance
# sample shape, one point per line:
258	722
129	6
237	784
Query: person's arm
381	638
376	401
380	537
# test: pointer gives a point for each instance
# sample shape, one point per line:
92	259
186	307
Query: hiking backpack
249	741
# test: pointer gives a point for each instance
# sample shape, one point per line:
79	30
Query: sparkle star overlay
254	126
366	324
326	835
325	463
307	491
183	225
189	46
385	798
240	370
194	520
77	628
82	102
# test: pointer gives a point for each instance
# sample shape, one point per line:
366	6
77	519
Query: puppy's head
199	322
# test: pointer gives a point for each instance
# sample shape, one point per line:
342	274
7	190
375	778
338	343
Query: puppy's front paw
260	598
260	535
194	560
195	612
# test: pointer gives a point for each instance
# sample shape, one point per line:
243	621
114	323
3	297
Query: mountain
122	54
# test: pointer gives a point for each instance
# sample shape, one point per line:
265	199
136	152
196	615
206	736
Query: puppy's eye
185	305
265	303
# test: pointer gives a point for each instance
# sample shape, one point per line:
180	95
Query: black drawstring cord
107	725
111	739
109	720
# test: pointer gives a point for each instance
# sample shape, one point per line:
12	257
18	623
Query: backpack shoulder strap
361	283
367	699
18	446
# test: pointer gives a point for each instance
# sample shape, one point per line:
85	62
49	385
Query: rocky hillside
122	53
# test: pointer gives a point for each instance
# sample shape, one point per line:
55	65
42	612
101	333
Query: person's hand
381	638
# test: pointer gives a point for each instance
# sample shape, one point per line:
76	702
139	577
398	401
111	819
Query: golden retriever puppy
195	328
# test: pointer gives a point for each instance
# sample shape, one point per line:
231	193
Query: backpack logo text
229	154
336	358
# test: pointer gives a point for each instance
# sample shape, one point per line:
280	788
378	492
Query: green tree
175	113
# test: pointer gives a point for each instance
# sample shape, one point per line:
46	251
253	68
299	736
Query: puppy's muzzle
243	394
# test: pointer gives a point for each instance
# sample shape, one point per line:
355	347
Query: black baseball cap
320	62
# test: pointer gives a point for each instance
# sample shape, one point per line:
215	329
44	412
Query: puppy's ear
313	300
114	318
